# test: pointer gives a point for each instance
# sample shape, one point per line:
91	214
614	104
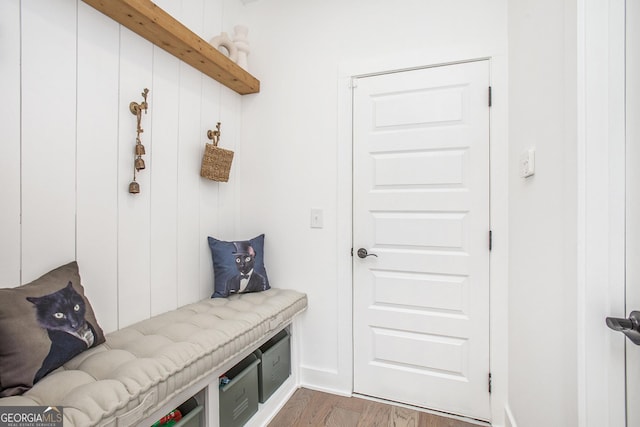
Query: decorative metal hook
135	108
214	135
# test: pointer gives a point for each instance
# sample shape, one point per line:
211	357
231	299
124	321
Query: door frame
601	211
498	155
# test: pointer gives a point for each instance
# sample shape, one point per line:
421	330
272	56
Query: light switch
316	218
528	163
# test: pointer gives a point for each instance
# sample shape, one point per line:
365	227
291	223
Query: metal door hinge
489	96
351	251
490	239
489	382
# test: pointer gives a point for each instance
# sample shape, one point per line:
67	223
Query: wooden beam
154	24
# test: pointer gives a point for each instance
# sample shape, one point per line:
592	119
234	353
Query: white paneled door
633	203
421	237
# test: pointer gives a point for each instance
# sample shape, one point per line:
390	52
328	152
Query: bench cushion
139	368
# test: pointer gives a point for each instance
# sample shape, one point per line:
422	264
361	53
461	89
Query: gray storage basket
275	366
191	414
239	398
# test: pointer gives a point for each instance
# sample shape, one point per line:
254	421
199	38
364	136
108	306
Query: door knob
362	253
630	327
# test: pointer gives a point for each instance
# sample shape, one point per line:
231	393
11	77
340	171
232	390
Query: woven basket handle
214	135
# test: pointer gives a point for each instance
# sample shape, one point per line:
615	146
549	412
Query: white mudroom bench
147	369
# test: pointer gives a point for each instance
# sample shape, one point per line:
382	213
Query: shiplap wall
67	76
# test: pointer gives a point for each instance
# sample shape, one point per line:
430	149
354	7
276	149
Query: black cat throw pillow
43	325
238	267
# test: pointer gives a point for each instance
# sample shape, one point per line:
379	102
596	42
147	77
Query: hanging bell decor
138	162
134	187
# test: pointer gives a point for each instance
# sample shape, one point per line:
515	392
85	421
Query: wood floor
314	408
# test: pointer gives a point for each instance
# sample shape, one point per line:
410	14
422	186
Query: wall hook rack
214	135
138	162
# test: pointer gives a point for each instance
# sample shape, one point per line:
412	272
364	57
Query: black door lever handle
630	327
618	324
362	253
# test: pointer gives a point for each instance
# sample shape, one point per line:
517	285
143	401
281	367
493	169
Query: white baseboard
325	380
508	417
327	390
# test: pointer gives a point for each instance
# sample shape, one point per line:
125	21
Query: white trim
509	421
600	222
498	202
329	390
581	213
321	379
499	263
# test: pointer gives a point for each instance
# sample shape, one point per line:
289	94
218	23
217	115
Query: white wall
10	148
543	213
291	145
67	76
